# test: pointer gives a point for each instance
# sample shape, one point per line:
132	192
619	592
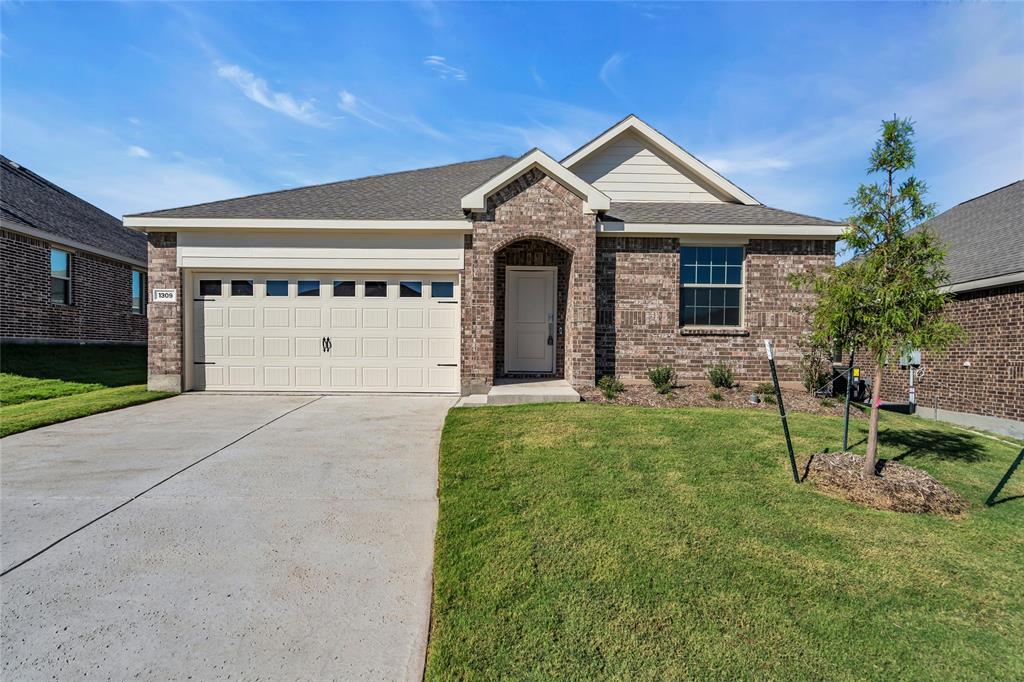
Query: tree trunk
876	399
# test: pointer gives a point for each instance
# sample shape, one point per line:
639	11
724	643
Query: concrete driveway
216	536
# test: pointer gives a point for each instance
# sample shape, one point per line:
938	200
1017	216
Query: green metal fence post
849	392
782	409
1006	477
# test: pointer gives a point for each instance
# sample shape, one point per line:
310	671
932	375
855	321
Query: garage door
337	332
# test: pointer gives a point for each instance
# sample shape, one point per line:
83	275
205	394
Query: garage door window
241	287
277	287
442	290
376	289
209	287
344	288
410	290
309	287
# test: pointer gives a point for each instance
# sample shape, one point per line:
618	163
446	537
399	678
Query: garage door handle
447	364
330	344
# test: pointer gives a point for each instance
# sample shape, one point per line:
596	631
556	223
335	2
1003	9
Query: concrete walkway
299	548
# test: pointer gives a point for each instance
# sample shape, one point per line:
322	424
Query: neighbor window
209	287
309	287
138	292
241	287
410	289
277	287
376	290
711	286
344	288
442	289
60	276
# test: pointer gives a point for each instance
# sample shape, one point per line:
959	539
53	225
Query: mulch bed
897	487
698	394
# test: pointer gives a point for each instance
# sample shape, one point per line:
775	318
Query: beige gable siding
628	170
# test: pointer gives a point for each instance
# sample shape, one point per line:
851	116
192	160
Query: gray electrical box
911	359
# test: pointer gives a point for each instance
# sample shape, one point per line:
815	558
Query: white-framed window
710	286
60	277
138	292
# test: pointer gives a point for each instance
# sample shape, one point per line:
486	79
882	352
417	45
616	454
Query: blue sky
140	106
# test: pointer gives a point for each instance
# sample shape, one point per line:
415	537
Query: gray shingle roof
425	194
984	236
708	214
29	200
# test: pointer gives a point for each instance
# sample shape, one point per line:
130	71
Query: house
626	254
69	271
979	381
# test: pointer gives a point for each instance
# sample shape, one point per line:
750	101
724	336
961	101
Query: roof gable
631	159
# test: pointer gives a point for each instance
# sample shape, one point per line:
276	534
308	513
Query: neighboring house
69	272
980	380
627	254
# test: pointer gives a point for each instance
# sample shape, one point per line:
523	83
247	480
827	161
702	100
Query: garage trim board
324	332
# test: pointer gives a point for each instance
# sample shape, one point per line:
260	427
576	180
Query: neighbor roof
984	236
425	194
679	213
30	201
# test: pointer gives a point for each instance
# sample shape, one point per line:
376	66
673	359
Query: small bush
610	387
663	378
720	376
769	398
716	395
765	388
828	402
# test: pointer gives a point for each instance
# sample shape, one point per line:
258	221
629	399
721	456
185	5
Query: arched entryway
531	298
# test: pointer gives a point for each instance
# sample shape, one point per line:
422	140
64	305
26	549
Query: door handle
323	344
329	344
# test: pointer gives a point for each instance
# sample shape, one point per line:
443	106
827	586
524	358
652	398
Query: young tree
886	299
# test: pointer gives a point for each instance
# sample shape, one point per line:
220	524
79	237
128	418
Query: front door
530	319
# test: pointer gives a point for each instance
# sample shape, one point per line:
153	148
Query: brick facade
101	296
166	350
638	309
993	383
533	207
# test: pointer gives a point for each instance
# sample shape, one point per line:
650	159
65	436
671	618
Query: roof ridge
993	191
321	184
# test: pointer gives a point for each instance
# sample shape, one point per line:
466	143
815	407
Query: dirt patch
699	394
897	487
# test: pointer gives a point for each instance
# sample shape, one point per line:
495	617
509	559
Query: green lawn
46	384
602	542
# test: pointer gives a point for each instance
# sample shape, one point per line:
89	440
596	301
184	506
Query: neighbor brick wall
101	296
532	207
993	385
638	309
166	352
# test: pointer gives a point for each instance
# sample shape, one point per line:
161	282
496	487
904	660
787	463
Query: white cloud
444	70
362	110
748	164
258	91
537	78
555	127
138	151
134	120
609	70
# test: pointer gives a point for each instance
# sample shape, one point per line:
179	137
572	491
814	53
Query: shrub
663	378
716	395
765	388
815	366
769	398
828	402
610	386
720	376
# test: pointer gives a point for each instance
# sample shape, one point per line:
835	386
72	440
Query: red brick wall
638	309
165	324
993	384
532	207
101	296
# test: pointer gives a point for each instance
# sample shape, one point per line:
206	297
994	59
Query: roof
707	214
984	236
30	201
425	194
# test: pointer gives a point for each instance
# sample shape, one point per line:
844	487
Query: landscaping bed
700	394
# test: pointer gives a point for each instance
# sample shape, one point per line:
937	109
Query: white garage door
315	332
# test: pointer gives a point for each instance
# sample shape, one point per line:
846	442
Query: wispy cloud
137	151
610	69
360	109
555	127
258	91
537	78
444	70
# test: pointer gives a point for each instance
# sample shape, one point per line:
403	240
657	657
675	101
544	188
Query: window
209	287
309	287
442	290
344	288
138	292
277	287
60	277
376	289
711	285
241	287
410	289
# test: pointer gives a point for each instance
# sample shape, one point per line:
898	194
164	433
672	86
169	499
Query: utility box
911	359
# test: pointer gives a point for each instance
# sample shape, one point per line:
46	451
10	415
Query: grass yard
597	542
47	384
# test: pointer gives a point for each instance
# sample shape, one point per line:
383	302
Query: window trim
69	279
143	291
741	325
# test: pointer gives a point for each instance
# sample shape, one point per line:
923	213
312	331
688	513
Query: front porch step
519	391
